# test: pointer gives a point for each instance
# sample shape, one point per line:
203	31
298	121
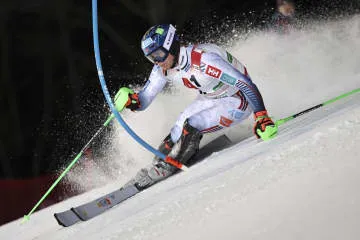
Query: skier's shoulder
209	48
208	51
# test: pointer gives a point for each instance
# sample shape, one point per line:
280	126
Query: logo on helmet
159	31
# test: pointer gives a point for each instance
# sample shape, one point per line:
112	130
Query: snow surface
301	185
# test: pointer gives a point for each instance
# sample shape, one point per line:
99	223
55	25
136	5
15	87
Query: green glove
264	127
122	97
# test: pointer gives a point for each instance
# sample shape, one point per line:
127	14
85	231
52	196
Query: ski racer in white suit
227	96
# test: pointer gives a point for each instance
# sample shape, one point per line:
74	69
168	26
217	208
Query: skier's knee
189	128
175	133
195	121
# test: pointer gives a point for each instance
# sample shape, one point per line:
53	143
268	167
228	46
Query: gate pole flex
109	101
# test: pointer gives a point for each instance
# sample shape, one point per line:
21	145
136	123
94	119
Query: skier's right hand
126	98
133	102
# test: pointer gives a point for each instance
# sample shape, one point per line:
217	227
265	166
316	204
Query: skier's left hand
264	127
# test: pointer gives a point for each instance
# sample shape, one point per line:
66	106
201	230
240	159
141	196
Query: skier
283	19
226	97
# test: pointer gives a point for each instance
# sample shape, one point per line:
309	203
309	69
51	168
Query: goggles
159	55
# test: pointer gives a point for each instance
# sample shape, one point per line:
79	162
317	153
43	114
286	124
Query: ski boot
182	151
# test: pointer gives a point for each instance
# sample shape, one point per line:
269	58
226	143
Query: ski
66	218
96	207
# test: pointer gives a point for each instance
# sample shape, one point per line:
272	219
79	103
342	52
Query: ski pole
105	90
27	217
284	120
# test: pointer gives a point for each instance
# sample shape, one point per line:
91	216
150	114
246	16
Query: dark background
50	97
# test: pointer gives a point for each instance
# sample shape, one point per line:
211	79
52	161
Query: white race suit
227	95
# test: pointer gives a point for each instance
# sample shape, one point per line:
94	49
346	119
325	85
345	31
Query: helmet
159	41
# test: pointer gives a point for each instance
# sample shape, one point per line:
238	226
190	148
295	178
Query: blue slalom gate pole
108	98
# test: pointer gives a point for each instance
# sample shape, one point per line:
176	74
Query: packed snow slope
301	185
